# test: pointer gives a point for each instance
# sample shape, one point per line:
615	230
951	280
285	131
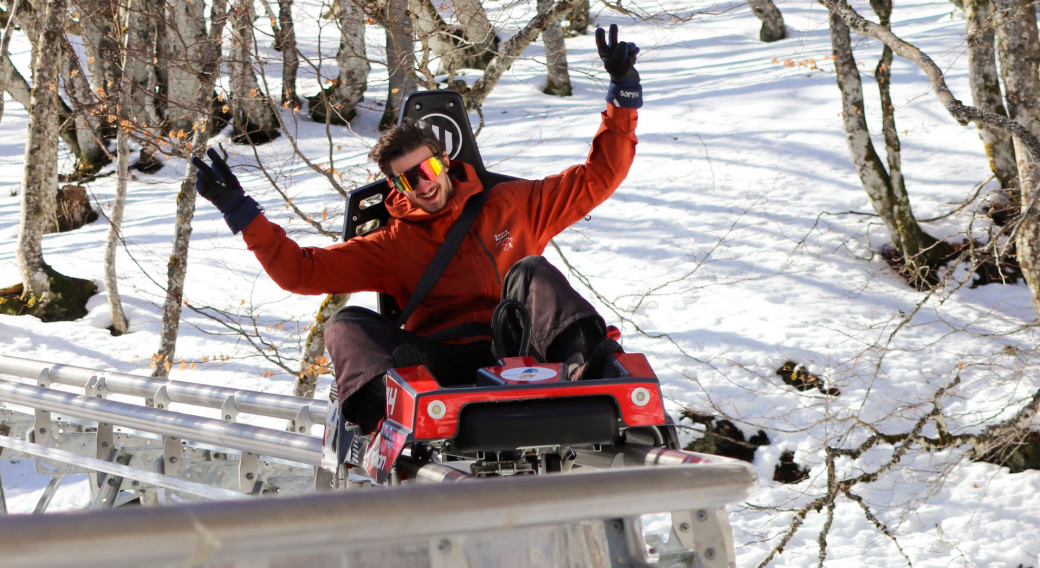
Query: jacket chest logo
504	241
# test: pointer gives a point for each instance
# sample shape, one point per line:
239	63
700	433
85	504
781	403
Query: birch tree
481	40
290	60
336	104
915	249
400	59
252	116
5	57
1019	50
209	68
312	359
46	292
183	43
137	94
557	79
985	88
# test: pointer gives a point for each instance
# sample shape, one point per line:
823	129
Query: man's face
430	196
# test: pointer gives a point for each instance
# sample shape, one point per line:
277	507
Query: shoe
596	365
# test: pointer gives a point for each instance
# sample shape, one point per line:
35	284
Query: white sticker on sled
528	374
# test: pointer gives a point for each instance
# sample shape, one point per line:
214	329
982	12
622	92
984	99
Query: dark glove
221	187
619	59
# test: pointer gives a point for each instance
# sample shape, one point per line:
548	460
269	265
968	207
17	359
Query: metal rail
243	437
250	402
247	532
158	480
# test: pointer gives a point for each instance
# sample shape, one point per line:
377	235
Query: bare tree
915	248
286	33
511	50
183	42
312	360
253	117
481	41
1019	49
772	20
97	25
558	80
985	88
400	59
137	99
178	266
578	19
336	104
5	58
45	291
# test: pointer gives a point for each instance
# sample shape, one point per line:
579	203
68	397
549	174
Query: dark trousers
361	342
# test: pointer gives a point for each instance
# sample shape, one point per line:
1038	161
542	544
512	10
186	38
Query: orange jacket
518	220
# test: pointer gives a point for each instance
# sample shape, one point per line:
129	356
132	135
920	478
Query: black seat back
445	112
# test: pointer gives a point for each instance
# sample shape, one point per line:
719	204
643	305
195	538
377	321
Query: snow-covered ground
728	250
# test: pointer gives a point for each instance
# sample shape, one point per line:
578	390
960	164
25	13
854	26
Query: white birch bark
481	40
557	79
1019	48
182	46
772	20
253	118
99	43
336	104
5	59
985	88
40	175
400	59
209	69
314	348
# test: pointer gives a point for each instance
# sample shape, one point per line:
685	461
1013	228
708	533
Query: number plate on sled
385	449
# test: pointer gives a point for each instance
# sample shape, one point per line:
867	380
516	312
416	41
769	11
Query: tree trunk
100	44
915	248
182	47
252	116
337	103
312	361
86	112
579	19
5	59
558	81
139	61
178	266
1019	48
290	60
772	20
481	41
40	174
400	59
985	89
126	113
435	38
511	50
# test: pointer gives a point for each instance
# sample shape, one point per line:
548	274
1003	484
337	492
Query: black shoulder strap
444	254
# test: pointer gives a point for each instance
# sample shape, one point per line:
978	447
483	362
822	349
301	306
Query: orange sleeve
559	201
358	265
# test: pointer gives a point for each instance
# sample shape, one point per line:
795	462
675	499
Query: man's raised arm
561	200
342	268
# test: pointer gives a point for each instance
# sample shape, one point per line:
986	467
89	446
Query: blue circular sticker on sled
528	374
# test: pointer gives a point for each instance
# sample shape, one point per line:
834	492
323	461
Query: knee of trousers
355	322
518	279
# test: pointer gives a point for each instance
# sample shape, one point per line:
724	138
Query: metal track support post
42	419
48	494
96	388
229	410
302	423
110	485
708	532
248	472
625	543
173	455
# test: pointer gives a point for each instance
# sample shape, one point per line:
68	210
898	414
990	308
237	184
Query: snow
729	249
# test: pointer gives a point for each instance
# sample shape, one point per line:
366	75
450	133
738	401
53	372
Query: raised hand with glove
221	187
619	59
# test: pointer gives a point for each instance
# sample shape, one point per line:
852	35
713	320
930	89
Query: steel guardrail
250	402
254	531
243	437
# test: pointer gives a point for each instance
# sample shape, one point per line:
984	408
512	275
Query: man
497	260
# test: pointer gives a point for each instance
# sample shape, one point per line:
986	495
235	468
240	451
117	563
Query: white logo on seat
528	374
447	131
